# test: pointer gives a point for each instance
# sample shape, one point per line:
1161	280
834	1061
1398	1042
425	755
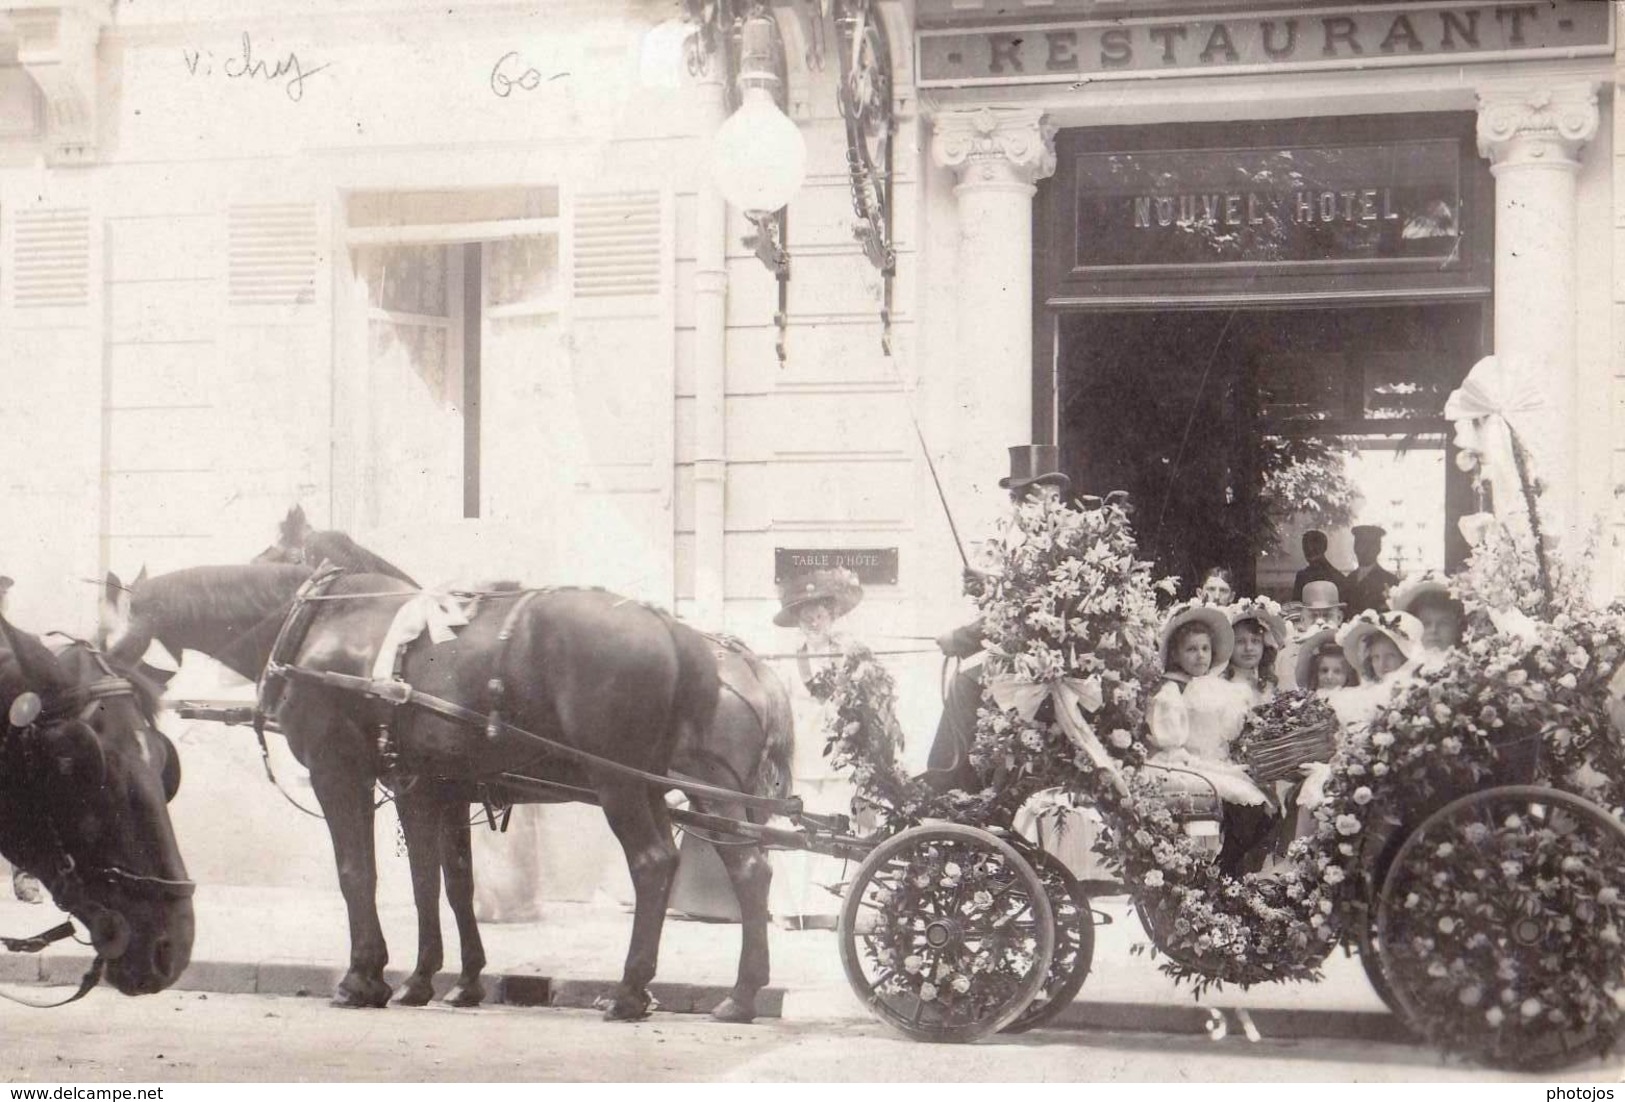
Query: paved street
191	1036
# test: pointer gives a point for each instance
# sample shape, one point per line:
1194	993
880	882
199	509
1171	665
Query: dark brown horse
747	748
84	780
596	672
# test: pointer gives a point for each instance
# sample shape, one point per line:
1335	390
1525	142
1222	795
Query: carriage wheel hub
1527	931
941	932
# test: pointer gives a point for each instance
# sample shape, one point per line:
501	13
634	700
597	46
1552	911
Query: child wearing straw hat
1193	719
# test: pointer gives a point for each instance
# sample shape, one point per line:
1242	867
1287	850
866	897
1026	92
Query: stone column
998	154
1534	134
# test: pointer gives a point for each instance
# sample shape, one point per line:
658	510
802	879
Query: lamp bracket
864	92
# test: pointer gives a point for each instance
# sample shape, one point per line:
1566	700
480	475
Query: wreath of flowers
1073	617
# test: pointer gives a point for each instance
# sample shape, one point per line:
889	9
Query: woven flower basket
1278	758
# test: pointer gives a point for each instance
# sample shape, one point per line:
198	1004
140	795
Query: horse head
292	535
84	781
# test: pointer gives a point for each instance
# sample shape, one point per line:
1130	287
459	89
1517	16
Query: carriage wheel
1074	942
1480	941
1370	952
946	933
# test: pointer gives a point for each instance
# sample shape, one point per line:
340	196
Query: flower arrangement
1071	624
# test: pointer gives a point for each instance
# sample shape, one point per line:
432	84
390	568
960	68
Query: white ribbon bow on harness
437	613
1073	696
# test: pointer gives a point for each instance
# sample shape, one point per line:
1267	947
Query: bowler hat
1320	596
838	586
1035	464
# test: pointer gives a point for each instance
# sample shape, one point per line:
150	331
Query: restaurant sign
1394	202
872	565
1348	37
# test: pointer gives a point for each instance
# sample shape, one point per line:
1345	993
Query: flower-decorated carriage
1469	845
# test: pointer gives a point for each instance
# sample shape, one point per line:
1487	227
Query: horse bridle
69	878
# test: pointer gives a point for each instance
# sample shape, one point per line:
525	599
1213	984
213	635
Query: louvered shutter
276	360
51	258
621	274
272	249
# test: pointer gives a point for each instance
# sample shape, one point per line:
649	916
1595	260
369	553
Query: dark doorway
1237	430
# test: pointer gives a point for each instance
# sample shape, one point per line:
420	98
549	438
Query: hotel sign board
1352	36
1397	204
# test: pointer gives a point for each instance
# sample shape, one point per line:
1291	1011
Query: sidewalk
294	941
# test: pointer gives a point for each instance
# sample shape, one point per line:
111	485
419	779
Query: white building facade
460	283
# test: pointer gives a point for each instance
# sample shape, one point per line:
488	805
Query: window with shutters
462	307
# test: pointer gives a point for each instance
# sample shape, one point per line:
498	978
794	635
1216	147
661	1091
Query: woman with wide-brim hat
1428	598
812	603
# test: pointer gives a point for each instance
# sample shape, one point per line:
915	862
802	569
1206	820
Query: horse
608	677
85	777
748	747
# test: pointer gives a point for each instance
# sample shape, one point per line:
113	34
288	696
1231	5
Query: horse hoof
734	1012
466	994
627	1008
357	994
415	992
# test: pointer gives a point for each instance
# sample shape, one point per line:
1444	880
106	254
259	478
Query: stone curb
309	980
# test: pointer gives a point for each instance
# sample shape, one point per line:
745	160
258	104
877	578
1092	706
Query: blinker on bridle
23	718
26	714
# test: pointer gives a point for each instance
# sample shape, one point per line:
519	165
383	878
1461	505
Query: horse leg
640	823
457	860
420	822
751	874
346	798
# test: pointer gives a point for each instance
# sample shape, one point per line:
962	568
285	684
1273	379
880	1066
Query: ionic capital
994	147
1538	124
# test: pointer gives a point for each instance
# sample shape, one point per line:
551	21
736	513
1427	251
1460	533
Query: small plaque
872	565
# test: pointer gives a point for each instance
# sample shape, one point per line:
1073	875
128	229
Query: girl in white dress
1193	719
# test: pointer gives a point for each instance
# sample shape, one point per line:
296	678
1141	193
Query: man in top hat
1318	568
1035	469
1368	584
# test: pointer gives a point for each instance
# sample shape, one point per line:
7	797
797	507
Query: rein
92	976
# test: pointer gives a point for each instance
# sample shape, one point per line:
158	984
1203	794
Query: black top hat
1032	464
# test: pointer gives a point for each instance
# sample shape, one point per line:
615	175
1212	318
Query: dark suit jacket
1319	571
1369	592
